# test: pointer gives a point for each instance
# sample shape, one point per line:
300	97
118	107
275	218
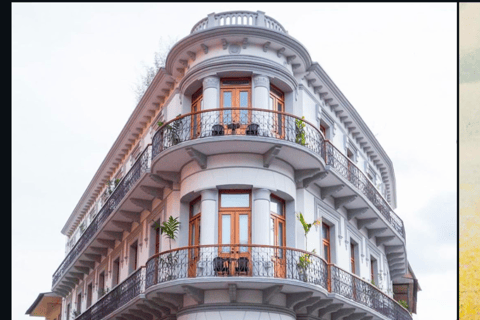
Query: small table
233	127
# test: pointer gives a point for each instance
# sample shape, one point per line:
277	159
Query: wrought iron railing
236	260
250	122
142	165
346	168
241	260
356	289
238	18
124	292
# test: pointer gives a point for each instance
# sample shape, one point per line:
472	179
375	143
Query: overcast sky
75	67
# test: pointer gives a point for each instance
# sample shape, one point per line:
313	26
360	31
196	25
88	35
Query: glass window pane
226	231
243	99
227	103
325	232
280	234
192	237
272	232
325	252
243	232
276	206
239	200
196	207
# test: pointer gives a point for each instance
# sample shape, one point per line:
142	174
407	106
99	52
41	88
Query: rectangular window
116	272
68	312
352	257
89	295
101	284
79	303
230	200
133	256
326	242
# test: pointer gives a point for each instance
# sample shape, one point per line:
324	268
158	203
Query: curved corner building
236	136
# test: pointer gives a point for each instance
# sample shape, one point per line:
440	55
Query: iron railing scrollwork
356	289
141	165
133	286
250	122
350	171
236	260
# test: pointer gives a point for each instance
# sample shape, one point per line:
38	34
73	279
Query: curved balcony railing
130	288
235	260
238	18
354	288
125	185
346	168
242	260
238	121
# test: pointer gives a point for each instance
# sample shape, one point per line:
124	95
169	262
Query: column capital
261	81
210	82
261	194
209	194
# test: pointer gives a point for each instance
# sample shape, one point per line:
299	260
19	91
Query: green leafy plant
102	292
304	260
169	229
300	131
373	282
403	303
160	123
307	226
173	131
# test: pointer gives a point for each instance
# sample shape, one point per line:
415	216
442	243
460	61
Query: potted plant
404	304
169	229
300	131
304	261
173	131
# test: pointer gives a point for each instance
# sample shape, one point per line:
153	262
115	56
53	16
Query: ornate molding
211	82
234	48
261	81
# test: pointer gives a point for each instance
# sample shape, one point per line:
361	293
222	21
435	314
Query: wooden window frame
241	210
326	242
196	117
352	257
192	219
236	97
278	217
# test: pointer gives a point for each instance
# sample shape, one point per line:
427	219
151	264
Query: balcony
128	183
120	295
209	130
238	18
241	262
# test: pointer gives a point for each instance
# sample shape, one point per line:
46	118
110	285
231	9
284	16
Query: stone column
261	92
261	217
209	219
211	100
261	100
211	85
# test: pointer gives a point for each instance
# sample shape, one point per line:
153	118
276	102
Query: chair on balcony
242	266
219	266
252	129
217	130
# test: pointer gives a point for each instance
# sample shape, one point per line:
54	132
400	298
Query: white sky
75	67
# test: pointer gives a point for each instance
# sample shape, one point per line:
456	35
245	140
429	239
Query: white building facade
236	136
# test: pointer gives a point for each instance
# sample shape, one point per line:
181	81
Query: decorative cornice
261	81
211	82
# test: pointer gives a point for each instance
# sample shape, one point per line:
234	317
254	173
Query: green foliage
169	228
403	303
173	130
300	131
160	123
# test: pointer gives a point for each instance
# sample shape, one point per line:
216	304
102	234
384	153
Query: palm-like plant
169	229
